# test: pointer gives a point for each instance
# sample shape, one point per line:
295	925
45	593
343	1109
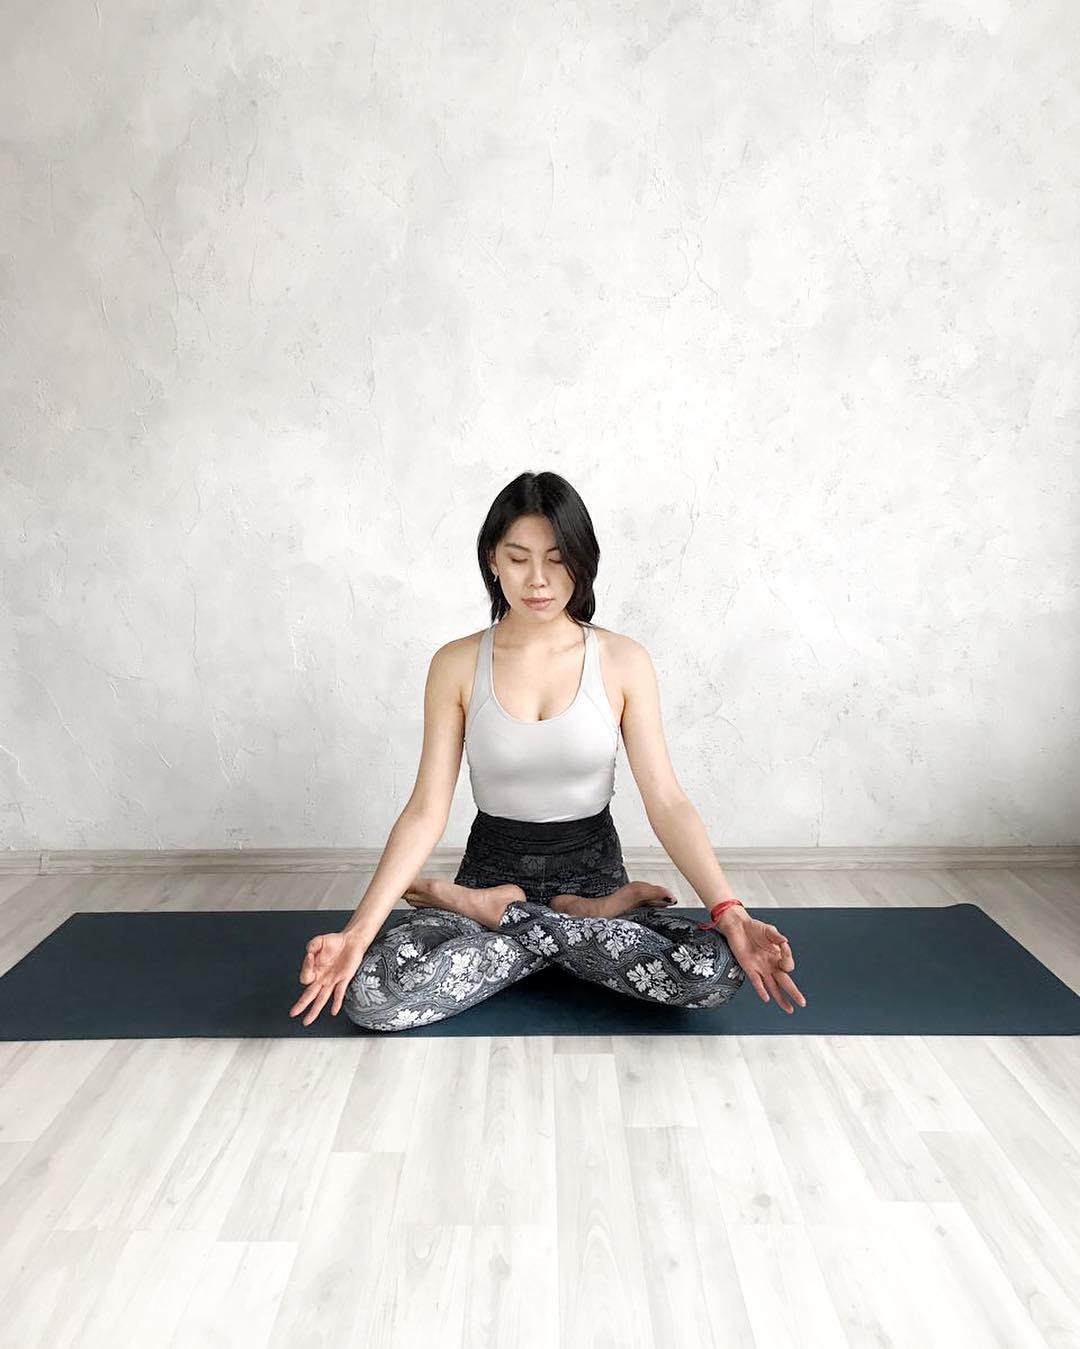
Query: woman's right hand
331	962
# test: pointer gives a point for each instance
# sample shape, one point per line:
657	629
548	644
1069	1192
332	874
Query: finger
784	989
307	997
783	949
320	1003
312	968
781	955
303	1001
779	995
782	963
784	945
755	979
324	993
793	988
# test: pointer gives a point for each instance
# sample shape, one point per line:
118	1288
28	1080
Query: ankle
574	905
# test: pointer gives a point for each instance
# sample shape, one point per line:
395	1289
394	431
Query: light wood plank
543	1191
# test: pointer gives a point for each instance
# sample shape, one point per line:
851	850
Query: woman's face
529	565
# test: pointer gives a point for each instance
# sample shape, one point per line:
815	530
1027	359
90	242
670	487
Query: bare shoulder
458	658
626	664
617	645
459	647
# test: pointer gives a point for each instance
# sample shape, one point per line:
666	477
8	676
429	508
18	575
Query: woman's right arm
333	958
422	822
411	842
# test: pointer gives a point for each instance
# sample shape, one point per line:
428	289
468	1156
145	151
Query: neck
539	636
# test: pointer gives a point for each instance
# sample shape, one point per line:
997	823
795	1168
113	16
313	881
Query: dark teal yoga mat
890	971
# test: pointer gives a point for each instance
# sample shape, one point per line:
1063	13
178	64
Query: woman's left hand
764	954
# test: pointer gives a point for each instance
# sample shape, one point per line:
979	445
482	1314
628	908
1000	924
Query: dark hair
549	495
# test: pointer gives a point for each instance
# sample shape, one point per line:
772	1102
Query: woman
542	878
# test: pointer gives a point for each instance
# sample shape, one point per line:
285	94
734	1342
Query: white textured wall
788	290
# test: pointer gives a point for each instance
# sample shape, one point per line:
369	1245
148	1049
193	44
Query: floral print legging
437	962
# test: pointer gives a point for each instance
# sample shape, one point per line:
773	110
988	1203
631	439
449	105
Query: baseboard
47	862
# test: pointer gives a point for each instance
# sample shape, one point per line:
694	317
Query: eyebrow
511	544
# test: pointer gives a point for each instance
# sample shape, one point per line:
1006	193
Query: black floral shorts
546	858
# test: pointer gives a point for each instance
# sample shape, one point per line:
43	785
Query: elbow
429	814
663	808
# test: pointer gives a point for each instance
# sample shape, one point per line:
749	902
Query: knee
388	1016
719	976
368	1005
367	1020
727	979
717	998
371	1007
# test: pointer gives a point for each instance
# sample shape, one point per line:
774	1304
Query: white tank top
562	768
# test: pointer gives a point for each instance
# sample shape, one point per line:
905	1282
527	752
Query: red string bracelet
716	911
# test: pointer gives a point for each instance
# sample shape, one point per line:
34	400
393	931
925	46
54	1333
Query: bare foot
485	906
634	895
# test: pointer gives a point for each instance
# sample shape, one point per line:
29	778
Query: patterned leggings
436	962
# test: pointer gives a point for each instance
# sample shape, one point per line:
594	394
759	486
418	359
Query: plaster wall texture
789	292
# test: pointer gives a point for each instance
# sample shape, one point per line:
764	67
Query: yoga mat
888	971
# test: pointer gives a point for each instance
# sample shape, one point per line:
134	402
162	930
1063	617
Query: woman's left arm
672	816
681	833
762	949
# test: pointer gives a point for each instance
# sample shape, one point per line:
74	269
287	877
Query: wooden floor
619	1192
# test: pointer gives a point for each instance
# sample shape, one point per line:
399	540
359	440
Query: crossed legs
473	942
655	956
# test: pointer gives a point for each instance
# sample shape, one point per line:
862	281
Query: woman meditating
537	702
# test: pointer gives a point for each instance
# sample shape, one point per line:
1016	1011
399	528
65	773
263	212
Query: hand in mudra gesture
764	954
331	961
